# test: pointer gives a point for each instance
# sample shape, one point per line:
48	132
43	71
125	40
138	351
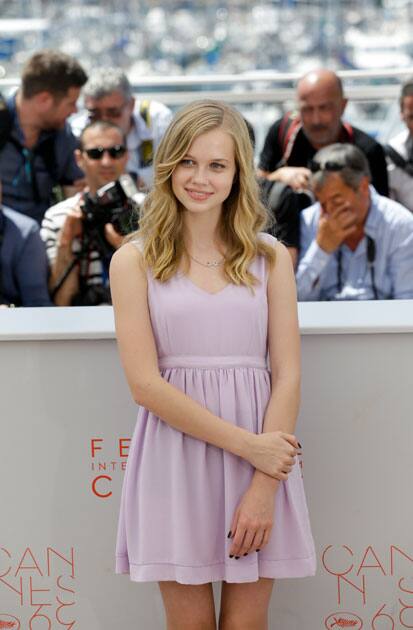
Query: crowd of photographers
96	170
325	182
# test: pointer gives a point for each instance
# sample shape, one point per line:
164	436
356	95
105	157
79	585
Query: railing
258	87
263	95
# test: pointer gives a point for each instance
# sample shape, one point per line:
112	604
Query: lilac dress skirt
179	494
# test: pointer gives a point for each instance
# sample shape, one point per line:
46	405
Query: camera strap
371	257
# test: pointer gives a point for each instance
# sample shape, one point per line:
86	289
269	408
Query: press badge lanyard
371	257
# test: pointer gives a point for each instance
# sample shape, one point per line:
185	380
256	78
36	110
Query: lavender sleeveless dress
179	493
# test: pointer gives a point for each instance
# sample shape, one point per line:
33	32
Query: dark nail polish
229	534
236	557
299	445
257	550
231	556
245	554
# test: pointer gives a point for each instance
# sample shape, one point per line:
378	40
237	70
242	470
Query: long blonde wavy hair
161	220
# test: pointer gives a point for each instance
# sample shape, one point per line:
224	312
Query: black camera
117	203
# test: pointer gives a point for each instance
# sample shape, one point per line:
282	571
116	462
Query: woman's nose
200	175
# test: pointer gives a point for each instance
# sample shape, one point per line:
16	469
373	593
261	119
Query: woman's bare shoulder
125	258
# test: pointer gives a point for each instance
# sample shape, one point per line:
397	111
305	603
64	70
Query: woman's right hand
273	453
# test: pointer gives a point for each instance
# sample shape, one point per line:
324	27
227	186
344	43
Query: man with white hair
108	97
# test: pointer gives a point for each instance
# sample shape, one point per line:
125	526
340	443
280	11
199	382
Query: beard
321	135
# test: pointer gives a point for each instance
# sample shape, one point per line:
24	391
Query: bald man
292	142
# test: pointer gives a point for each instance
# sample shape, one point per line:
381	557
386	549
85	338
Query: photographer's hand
71	229
112	236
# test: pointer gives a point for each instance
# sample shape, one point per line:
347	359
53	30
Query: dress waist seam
211	362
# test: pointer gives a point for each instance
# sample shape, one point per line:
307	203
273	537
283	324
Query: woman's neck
201	232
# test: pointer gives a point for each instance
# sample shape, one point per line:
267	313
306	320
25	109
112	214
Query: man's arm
58	237
401	262
310	267
271	155
318	242
31	271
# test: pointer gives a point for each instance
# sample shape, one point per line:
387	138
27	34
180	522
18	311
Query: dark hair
251	132
51	71
342	158
102	125
407	90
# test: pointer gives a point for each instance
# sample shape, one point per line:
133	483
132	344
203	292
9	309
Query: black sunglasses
97	153
331	166
326	166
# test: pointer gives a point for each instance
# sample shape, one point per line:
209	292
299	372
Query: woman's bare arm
139	358
284	350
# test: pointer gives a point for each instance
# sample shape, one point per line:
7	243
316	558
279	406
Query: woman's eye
217	166
187	162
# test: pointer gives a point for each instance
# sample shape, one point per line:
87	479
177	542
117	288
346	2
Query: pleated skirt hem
250	571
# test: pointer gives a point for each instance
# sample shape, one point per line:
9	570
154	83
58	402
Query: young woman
201	297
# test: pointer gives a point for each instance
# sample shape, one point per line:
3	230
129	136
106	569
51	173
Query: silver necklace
208	263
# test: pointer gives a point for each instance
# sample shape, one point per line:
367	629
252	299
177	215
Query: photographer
23	263
82	232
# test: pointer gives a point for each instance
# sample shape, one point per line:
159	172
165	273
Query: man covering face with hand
355	244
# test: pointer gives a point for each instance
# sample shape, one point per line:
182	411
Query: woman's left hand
253	520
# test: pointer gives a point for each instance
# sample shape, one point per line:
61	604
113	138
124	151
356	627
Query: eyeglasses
107	113
97	153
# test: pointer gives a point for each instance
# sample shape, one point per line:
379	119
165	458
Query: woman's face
203	178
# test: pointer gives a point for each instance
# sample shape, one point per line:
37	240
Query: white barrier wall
66	421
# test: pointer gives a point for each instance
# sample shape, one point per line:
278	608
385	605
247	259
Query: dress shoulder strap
260	266
136	242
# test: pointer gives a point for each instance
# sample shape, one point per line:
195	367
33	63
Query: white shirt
159	118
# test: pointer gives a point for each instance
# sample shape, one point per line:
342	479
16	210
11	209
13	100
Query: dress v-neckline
204	291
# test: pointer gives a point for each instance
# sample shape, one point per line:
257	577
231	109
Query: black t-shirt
303	152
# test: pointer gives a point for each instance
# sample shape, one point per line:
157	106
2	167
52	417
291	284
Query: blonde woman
213	490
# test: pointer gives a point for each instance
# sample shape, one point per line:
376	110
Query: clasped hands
273	455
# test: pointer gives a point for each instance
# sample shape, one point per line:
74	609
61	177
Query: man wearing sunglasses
355	243
102	156
108	96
